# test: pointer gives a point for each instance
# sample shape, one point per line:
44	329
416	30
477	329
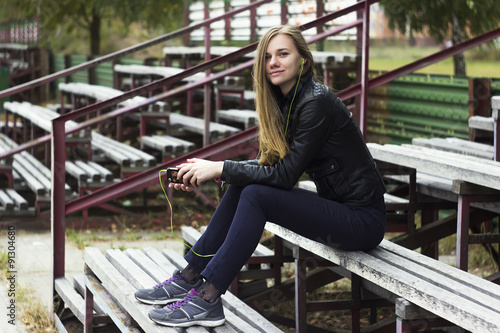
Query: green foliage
473	16
70	21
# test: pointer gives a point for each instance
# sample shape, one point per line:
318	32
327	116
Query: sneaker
193	310
169	291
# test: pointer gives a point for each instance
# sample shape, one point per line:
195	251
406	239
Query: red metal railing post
208	87
58	202
365	45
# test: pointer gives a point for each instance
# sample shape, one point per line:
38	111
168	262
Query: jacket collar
287	99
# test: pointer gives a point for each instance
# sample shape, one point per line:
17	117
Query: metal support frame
463	215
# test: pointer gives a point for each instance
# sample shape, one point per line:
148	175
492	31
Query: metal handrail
176	78
125	51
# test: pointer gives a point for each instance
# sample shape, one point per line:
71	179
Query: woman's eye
283	54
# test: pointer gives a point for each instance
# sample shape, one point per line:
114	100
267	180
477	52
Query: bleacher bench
102	93
169	146
456	145
394	272
13	204
248	118
197	126
112	279
488	124
420	288
89	175
130	159
33	173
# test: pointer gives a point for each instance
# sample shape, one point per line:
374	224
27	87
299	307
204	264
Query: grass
480	61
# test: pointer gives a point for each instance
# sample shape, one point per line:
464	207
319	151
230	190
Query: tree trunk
95	34
457	37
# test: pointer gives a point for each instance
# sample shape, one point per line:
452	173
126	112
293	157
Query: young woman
304	127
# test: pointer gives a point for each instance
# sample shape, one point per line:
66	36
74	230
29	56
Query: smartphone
172	176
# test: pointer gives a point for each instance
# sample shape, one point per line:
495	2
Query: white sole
203	323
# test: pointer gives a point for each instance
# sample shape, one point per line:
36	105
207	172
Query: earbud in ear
302	64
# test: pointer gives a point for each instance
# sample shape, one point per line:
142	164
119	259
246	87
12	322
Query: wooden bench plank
118	286
6	201
443	303
436	275
122	321
230	301
482	123
140	271
134	275
19	201
458	146
167	144
470	280
106	174
197	126
246	117
467	168
155	272
80	285
71	298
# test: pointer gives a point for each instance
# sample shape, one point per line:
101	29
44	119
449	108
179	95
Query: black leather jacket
325	142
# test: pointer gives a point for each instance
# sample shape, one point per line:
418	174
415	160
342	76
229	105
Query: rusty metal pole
58	202
208	87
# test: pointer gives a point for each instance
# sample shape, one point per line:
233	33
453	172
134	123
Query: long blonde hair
273	144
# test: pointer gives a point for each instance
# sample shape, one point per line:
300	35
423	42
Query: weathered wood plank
134	275
231	302
445	304
121	290
79	284
482	123
122	321
458	146
71	298
408	311
470	280
435	274
467	168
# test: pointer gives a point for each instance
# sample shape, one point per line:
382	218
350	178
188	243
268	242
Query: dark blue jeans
238	222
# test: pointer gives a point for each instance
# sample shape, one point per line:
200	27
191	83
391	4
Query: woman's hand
195	172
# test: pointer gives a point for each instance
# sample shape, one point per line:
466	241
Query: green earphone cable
291	103
172	221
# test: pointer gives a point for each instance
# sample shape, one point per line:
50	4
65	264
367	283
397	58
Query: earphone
293	98
172	222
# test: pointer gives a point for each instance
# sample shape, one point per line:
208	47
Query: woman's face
283	62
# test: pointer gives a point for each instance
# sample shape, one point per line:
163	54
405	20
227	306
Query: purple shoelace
173	278
189	297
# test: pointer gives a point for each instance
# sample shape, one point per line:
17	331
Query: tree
455	20
89	15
